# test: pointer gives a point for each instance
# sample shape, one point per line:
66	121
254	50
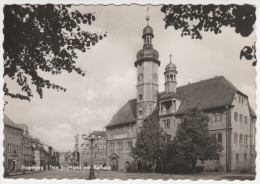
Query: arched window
167	78
174	78
171	76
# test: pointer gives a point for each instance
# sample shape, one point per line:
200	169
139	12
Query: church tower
170	77
147	76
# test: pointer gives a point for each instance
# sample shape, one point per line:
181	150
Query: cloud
117	85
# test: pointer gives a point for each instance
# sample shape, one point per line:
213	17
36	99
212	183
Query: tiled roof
101	133
9	122
211	93
127	114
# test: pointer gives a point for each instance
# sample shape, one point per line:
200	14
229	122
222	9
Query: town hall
232	119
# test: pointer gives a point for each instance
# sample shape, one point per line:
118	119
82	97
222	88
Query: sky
91	101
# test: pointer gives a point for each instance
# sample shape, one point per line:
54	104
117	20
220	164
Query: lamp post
91	138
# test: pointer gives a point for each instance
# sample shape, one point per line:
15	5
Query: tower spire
147	17
170	57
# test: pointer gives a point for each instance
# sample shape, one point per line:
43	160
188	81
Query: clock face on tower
140	77
155	77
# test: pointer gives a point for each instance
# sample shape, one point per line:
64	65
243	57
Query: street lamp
91	138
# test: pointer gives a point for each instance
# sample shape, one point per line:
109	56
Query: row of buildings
82	156
22	150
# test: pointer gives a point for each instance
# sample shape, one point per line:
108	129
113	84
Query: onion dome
170	66
147	52
148	30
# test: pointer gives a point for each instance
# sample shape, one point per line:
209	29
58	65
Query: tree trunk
193	165
153	166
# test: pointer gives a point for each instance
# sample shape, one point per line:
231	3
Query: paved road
69	174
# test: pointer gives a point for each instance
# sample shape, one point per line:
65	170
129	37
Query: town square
99	92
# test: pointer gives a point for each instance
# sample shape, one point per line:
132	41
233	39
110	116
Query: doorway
114	164
127	166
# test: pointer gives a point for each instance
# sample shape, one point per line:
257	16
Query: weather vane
147	17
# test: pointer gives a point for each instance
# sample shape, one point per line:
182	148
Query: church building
232	118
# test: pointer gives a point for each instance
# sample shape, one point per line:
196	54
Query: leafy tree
150	143
43	38
193	140
192	19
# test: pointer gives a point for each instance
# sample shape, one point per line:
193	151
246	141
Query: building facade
99	151
13	145
27	149
232	118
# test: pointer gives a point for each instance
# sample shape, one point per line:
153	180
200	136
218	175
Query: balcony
167	111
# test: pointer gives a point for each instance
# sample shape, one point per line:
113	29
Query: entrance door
114	165
14	165
127	166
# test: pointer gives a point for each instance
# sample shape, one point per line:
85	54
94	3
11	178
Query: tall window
245	119
119	146
166	123
140	97
129	145
235	138
235	116
219	137
240	118
111	146
245	141
240	139
105	155
245	157
100	155
239	99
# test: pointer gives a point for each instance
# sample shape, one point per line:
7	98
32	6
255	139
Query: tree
150	143
193	140
192	19
43	38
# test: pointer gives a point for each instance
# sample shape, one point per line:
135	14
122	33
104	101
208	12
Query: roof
99	133
252	112
9	122
169	95
127	114
211	93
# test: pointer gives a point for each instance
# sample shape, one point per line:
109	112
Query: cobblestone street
69	174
